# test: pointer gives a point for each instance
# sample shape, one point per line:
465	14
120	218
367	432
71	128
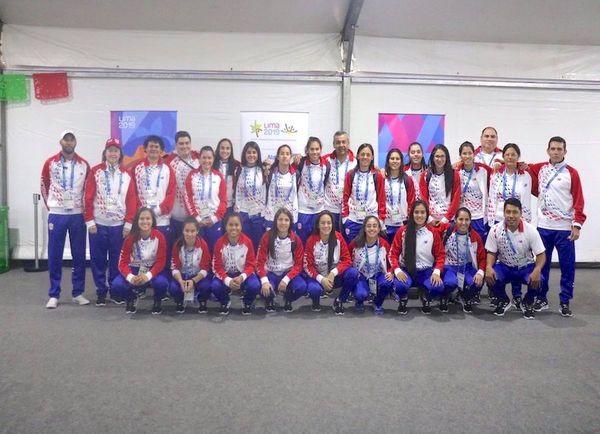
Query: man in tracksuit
62	183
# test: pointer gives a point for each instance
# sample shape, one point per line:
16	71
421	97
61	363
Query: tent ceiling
511	21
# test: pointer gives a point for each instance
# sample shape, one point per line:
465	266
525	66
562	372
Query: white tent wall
31	46
208	109
528	117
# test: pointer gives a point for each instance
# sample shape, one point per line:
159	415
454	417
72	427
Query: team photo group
195	226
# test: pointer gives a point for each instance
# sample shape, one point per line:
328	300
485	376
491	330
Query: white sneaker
81	300
52	303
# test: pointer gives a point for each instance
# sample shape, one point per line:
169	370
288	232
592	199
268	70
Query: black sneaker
493	302
270	306
165	298
117	300
528	312
338	307
202	307
247	309
443	304
370	298
402	309
565	310
316	306
180	308
130	306
476	299
517	302
467	306
101	300
502	307
426	308
540	304
287	307
224	309
157	307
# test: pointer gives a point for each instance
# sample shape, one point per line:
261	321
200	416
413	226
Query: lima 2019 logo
272	129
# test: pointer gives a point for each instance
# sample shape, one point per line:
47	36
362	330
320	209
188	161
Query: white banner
273	129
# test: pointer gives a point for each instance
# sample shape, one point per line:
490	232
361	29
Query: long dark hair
410	238
360	148
135	227
423	163
259	165
188	220
332	241
388	170
448	170
231	160
273	233
361	238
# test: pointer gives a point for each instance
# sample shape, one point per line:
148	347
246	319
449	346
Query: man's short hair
514	202
340	133
155	139
559	140
180	134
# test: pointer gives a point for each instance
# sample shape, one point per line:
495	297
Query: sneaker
517	301
288	306
493	302
402	308
180	308
502	307
323	295
101	300
564	310
117	300
370	298
476	299
202	308
426	308
52	303
338	307
540	304
157	307
467	306
359	307
528	312
247	309
165	298
270	306
81	300
444	304
130	306
316	306
224	309
378	310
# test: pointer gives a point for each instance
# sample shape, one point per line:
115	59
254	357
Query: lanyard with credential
555	175
187	261
462	260
468	179
310	181
246	187
392	195
64	175
491	159
148	177
108	189
357	187
513	192
203	189
277	177
376	258
510	243
337	173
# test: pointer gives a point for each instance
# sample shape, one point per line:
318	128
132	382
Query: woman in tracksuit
279	264
370	271
190	268
282	187
326	259
109	207
228	166
142	263
417	255
399	193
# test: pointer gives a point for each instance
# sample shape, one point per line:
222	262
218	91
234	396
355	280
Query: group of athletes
201	225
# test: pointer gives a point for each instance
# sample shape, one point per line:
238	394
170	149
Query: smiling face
314	151
420	215
183	147
512	215
251	156
283	224
153	151
206	160
416	155
145	221
113	155
325	225
341	144
511	157
439	159
190	232
233	228
463	220
68	144
556	152
467	156
225	150
372	229
395	161
365	157
488	140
